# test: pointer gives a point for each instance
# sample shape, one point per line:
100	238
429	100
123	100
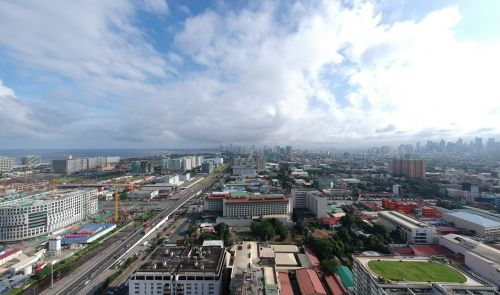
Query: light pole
52	274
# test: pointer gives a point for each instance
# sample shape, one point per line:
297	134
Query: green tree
329	266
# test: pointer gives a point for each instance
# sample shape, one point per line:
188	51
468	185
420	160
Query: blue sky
157	73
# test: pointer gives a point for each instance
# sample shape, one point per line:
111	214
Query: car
86	282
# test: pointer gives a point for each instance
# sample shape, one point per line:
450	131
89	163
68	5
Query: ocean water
53	154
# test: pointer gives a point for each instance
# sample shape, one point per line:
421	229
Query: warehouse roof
474	218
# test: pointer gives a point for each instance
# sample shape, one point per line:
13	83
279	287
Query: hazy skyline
153	73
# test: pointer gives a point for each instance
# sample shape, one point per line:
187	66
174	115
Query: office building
207	167
41	214
410	229
6	164
482	227
479	257
312	200
408	168
174	270
31	160
396	190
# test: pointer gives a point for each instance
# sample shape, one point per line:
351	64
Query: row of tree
268	228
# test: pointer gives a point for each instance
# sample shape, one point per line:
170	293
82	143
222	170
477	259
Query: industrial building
410	229
483	227
6	164
367	282
312	200
6	256
479	257
408	168
180	270
41	214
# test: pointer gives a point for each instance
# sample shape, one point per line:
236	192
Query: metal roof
474	218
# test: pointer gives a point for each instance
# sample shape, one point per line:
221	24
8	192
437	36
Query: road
78	284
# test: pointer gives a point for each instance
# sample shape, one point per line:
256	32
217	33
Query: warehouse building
483	227
180	270
410	229
37	215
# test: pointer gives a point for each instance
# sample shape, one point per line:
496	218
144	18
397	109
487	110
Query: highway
92	273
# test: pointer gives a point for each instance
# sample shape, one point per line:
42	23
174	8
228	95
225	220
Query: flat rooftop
474	218
184	260
40	198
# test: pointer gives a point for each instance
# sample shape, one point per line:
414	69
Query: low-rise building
143	194
480	258
367	282
410	229
180	270
483	227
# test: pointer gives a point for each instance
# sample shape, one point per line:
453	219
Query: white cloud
298	73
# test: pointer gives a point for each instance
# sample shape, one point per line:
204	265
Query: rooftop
483	221
40	198
476	247
403	219
309	282
186	260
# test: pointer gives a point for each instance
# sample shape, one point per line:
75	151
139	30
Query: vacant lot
413	271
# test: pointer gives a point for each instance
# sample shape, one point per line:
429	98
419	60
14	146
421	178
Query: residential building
71	165
410	229
479	257
31	160
312	200
483	227
41	214
408	168
6	164
177	270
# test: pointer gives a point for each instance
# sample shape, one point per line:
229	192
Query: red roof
330	220
310	254
9	253
286	286
335	286
309	282
257	200
429	250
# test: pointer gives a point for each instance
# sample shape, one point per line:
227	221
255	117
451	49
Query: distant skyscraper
408	168
288	150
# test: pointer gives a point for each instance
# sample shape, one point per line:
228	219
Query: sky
187	74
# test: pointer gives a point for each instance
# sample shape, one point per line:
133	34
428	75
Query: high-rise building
207	167
408	168
6	164
31	160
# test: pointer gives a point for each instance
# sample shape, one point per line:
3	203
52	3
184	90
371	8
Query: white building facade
411	229
43	215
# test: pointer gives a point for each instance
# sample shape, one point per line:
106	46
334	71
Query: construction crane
117	201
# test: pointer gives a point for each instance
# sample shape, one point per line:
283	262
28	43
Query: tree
222	231
347	221
329	266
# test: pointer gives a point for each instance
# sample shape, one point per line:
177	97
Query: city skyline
173	74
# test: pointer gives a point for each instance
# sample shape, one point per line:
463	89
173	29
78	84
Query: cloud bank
298	73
